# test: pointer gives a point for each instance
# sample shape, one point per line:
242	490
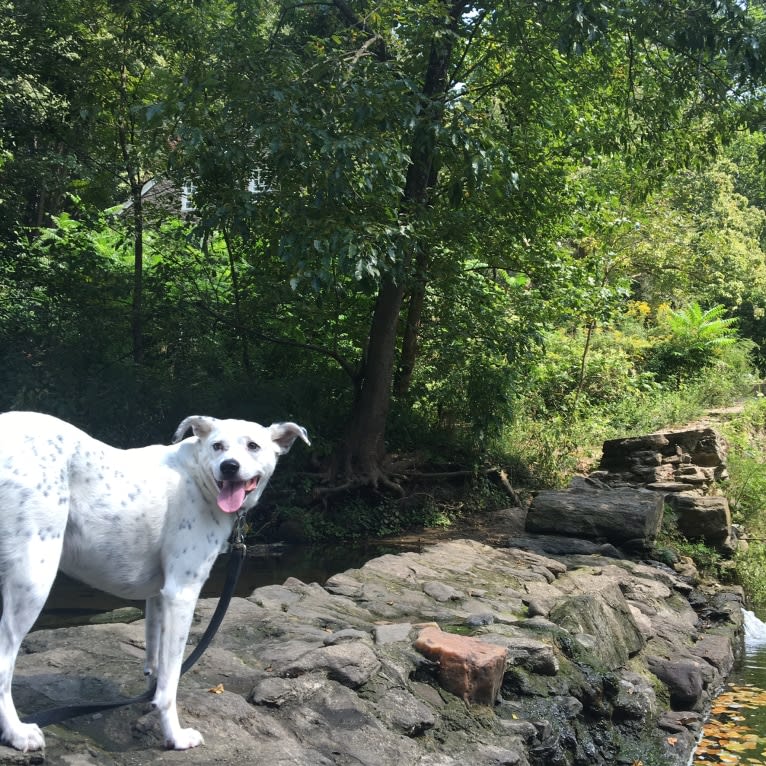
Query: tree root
501	474
376	480
380	480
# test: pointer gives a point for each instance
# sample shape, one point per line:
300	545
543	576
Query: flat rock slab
321	676
623	517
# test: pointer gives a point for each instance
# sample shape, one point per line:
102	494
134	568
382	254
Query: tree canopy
389	205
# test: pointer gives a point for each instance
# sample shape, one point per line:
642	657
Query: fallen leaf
216	689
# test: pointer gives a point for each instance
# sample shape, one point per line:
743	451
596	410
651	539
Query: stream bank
605	661
549	647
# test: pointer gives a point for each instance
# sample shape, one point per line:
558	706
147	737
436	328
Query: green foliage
357	518
555	181
746	490
367	515
612	371
556	445
699	239
707	560
751	573
690	339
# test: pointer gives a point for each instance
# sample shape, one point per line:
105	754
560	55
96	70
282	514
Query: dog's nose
229	468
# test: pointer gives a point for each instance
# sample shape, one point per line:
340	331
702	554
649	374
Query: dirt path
713	417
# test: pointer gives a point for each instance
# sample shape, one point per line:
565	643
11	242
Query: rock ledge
594	660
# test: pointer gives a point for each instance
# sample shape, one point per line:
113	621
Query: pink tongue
231	496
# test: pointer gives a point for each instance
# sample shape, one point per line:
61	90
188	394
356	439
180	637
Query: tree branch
343	363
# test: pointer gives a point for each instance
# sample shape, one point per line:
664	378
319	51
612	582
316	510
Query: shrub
690	341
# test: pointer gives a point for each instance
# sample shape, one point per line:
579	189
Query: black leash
238	553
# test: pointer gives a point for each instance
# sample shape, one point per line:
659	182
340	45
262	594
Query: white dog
142	523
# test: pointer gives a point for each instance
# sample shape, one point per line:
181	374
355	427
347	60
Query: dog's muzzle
233	491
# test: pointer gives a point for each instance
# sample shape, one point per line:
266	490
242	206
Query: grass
746	490
556	447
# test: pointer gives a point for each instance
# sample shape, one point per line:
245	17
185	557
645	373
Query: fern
691	338
706	327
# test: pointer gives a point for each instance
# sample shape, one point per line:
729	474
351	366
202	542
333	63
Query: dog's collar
237	539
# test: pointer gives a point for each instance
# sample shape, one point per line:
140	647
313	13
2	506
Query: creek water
72	603
736	731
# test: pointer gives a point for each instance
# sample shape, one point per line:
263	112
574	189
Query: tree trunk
365	435
132	168
137	302
237	299
365	448
412	327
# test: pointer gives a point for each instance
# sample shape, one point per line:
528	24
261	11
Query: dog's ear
201	426
284	434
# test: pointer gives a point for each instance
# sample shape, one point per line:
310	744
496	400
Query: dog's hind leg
26	581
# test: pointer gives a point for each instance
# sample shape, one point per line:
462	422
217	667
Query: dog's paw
185	739
25	737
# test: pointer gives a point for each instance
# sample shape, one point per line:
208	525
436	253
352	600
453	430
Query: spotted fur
143	523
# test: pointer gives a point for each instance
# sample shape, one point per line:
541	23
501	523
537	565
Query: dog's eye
252	446
218	446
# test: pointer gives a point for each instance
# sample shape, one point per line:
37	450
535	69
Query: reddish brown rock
468	668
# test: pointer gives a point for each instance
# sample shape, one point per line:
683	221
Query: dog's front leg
176	612
152	634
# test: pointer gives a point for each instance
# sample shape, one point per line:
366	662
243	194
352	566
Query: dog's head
239	456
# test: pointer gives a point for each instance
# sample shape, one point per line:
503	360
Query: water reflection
735	732
72	603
